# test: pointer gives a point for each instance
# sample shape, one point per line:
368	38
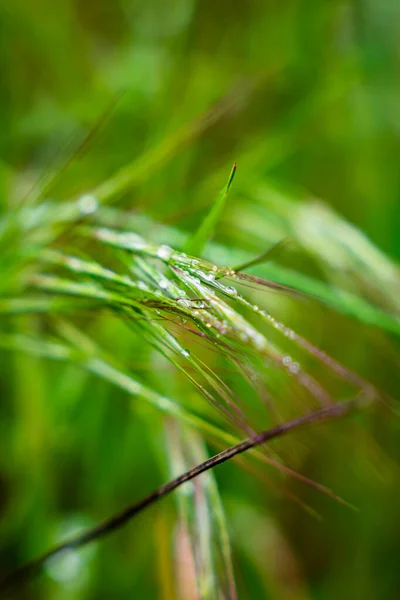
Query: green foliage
145	324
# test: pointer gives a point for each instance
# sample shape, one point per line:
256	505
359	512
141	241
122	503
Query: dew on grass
185	353
64	566
207	276
184	302
229	289
294	368
287	361
258	341
88	204
164	252
163	283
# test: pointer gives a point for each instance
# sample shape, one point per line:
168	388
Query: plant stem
31	568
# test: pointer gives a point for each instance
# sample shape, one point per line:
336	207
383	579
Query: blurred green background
304	95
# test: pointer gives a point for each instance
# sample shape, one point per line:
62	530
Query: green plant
160	296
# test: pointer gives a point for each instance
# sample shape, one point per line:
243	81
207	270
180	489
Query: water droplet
163	283
258	341
184	302
215	268
88	204
185	353
287	361
229	289
294	368
194	262
207	276
64	566
164	252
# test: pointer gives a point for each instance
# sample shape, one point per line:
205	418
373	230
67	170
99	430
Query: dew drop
229	289
294	368
185	353
163	283
64	567
164	252
184	302
258	341
208	276
287	361
88	204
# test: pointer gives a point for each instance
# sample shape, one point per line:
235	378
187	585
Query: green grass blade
206	230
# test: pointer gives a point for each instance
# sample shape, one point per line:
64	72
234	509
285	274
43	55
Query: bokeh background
304	95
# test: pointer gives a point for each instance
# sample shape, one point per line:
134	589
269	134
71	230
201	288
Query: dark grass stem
33	567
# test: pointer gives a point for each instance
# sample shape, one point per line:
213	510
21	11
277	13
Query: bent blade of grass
344	301
110	525
103	369
85	354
